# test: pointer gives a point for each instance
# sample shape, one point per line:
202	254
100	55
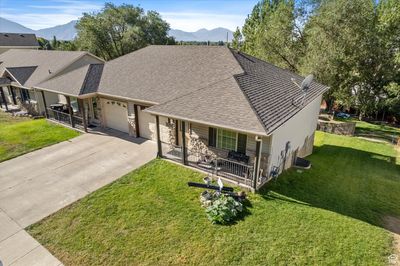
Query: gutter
58	92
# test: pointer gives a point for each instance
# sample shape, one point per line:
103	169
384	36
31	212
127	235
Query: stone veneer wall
131	119
339	128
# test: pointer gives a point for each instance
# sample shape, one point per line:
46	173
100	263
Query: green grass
378	131
22	135
328	215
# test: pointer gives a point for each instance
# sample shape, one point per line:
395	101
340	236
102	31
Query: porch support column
82	109
70	111
3	96
13	95
135	109
184	159
256	174
44	104
176	133
159	154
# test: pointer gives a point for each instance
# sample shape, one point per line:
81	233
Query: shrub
223	210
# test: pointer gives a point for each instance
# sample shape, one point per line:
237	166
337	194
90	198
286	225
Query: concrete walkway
40	183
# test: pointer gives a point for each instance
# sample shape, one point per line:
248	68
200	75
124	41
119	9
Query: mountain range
68	32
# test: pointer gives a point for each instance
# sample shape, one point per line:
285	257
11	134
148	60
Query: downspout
257	162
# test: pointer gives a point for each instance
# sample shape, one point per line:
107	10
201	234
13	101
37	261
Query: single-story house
209	107
17	41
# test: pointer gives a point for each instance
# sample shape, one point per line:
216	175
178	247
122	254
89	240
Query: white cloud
192	21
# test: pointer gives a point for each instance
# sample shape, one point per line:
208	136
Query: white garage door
116	115
147	125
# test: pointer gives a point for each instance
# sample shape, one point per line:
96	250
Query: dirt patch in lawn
393	225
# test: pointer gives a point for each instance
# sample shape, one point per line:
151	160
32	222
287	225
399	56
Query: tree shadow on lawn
386	135
356	183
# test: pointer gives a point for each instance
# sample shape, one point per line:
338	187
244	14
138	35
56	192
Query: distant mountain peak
62	32
202	35
68	32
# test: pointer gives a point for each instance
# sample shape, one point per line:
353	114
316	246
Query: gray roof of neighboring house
82	80
270	90
18	39
47	63
21	74
160	73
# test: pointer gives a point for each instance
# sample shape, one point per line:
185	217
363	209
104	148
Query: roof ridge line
244	94
186	94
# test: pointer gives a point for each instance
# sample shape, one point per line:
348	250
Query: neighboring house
18	41
21	70
209	107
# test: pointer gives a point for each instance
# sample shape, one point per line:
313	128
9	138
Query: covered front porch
69	110
238	157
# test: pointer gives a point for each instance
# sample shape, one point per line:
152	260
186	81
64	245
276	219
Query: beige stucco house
212	108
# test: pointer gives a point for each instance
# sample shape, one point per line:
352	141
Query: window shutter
212	137
242	143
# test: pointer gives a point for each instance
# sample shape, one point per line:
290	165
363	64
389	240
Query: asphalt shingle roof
48	63
21	74
207	84
82	80
221	104
264	103
161	73
271	91
92	79
18	39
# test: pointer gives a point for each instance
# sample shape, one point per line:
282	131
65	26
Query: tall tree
273	32
351	47
118	30
338	38
55	43
237	39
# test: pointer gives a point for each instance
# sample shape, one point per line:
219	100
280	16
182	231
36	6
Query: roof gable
21	74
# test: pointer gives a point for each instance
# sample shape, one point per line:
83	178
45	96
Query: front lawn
22	135
329	215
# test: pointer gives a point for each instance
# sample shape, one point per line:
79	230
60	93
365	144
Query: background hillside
68	32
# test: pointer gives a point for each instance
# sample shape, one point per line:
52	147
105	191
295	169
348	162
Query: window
212	137
25	95
226	139
242	143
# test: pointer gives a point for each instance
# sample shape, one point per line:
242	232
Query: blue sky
188	15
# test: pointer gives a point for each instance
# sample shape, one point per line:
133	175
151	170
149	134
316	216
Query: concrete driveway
40	183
